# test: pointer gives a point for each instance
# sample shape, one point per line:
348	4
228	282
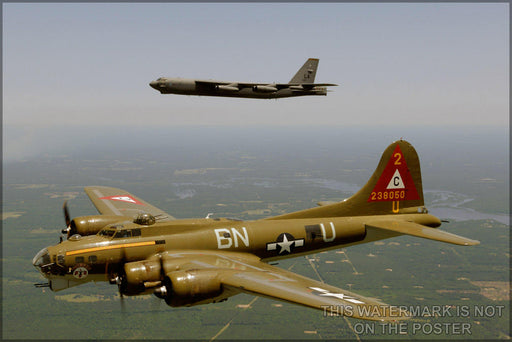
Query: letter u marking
324	235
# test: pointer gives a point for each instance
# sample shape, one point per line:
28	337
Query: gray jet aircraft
301	84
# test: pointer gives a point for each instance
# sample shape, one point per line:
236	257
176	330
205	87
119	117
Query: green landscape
456	292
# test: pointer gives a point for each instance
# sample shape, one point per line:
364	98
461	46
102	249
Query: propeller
119	286
121	276
121	279
67	217
117	276
162	291
162	269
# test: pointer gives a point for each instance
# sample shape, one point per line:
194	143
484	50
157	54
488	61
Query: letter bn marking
226	240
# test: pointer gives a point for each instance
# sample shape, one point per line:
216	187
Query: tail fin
394	187
307	72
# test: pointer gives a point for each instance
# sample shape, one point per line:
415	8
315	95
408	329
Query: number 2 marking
398	156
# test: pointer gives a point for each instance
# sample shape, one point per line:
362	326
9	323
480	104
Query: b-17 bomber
143	250
302	84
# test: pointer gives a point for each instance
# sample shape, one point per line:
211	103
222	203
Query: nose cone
153	84
159	83
41	259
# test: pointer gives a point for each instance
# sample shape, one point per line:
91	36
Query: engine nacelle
191	287
226	88
90	225
179	288
141	277
264	89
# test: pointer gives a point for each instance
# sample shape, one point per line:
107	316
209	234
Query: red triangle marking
393	186
123	198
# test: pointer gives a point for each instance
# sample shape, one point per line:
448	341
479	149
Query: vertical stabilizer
395	187
307	73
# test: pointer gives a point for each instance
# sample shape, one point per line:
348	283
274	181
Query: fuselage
96	257
183	86
144	250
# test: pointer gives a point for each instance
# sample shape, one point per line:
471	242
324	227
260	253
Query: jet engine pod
226	88
264	89
191	287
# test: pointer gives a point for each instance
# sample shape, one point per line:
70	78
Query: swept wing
212	85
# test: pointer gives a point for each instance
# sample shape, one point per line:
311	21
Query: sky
395	63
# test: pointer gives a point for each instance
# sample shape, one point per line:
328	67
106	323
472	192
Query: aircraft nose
154	84
41	259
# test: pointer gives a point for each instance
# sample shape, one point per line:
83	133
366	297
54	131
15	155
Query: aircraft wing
113	201
305	86
246	273
211	85
308	85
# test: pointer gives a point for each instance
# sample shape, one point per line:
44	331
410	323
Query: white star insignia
285	245
342	296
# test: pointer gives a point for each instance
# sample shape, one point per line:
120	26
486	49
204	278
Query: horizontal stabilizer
415	229
322	203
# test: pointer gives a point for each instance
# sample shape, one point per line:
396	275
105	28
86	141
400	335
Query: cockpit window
106	232
126	233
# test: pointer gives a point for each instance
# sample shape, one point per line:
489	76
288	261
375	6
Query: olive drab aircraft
185	262
301	84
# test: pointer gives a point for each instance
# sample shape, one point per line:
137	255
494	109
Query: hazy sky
395	64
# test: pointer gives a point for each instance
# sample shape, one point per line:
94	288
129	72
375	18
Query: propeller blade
67	217
122	302
121	276
121	280
162	270
163	290
66	213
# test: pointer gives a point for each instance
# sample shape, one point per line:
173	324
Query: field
454	292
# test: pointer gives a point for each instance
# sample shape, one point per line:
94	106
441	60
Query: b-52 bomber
301	84
197	261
